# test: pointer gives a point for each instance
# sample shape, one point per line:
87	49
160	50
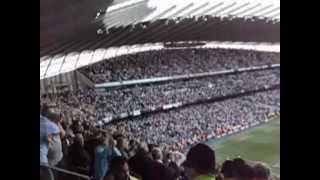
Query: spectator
90	146
79	158
153	64
157	155
245	172
261	172
119	170
55	146
227	170
48	130
137	163
122	146
200	163
103	155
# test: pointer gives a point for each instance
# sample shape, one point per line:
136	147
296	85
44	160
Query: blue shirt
46	127
103	156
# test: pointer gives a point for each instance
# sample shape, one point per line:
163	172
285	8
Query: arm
62	131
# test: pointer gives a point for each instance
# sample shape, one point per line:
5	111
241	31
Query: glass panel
98	55
44	66
55	65
84	59
70	62
109	53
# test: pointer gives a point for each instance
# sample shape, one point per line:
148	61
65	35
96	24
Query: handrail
66	171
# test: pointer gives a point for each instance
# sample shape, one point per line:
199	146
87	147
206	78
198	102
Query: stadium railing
66	172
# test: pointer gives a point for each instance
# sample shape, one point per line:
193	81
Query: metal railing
82	176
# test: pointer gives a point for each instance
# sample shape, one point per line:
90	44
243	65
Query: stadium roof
143	23
143	10
125	18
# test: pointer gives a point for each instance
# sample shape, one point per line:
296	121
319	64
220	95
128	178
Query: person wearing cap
200	163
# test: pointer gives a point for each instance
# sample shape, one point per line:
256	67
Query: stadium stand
147	114
181	113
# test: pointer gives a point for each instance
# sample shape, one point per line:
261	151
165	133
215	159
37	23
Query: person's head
132	143
104	141
200	161
79	139
227	169
262	172
44	109
122	143
238	164
245	172
55	117
119	168
156	154
142	149
150	147
239	161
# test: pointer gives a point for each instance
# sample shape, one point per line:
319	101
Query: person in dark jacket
79	158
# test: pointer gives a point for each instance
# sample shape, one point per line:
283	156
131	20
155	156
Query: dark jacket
79	157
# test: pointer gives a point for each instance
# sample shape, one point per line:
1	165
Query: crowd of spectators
170	62
97	106
180	128
153	146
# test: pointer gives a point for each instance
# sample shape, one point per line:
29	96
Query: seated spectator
119	170
261	172
200	163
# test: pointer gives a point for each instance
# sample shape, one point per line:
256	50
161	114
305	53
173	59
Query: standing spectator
200	163
79	157
227	170
245	172
48	130
90	146
157	155
103	154
122	146
119	170
55	146
261	172
137	162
